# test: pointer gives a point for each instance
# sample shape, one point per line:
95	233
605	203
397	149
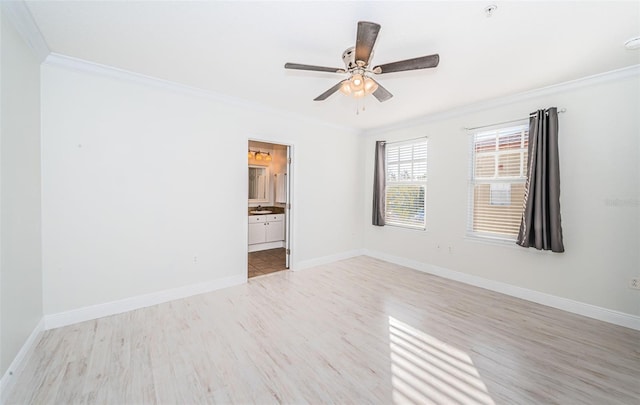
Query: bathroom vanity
266	231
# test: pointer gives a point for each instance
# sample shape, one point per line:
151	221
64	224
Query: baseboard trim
565	304
306	264
265	246
88	313
16	366
60	319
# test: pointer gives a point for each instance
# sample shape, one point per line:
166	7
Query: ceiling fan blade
381	93
365	39
299	66
329	92
422	62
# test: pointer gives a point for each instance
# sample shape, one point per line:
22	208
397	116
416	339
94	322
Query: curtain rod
560	110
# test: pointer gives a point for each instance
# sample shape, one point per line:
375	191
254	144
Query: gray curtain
379	182
541	225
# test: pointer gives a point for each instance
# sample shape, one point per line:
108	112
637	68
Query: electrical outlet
635	283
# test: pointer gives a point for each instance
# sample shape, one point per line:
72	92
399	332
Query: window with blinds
498	175
406	184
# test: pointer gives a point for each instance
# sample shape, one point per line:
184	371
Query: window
406	184
498	175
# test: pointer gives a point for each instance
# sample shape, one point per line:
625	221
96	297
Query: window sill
492	240
411	228
508	243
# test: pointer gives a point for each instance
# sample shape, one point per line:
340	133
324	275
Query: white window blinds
498	174
406	183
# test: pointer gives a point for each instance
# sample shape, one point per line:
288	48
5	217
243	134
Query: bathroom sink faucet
259	207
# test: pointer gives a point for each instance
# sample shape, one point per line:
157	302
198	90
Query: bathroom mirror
258	184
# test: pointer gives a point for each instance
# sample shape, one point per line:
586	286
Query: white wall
137	180
599	151
20	253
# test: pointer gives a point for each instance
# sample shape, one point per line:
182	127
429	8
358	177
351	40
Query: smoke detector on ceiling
633	43
489	10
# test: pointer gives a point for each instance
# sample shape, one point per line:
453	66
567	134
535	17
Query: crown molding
20	16
613	75
55	59
18	13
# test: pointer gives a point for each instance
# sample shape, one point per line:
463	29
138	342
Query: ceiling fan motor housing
349	58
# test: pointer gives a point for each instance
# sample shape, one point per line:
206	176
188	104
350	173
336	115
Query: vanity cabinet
266	228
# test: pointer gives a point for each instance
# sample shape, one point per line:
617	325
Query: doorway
269	208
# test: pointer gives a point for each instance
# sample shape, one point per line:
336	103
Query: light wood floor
358	331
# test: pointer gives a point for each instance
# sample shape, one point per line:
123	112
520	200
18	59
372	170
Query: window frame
521	179
423	184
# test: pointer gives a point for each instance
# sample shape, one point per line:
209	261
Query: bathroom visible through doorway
269	196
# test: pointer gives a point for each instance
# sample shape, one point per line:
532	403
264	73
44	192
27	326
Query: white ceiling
239	48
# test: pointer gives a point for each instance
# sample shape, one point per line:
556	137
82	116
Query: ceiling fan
356	60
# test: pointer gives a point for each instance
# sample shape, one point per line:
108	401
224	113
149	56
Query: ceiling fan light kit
358	85
359	82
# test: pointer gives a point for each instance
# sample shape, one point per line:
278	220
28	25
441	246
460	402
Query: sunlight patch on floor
426	370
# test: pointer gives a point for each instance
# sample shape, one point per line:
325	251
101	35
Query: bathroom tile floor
266	261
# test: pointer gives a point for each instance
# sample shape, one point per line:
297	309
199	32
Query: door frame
289	209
